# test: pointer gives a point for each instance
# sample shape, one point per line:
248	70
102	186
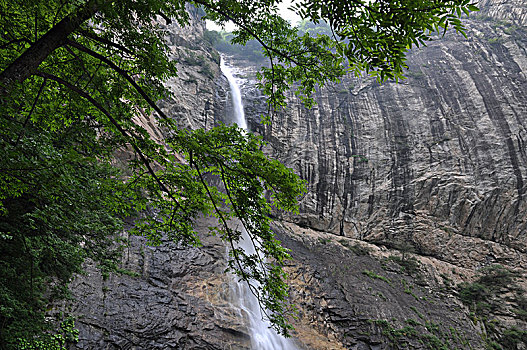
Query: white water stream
262	336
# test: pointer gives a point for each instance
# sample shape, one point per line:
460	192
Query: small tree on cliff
74	73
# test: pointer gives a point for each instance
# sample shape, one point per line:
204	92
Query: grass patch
408	289
409	265
484	297
355	248
373	275
400	336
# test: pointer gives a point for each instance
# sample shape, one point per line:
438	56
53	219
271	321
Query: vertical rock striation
438	160
435	168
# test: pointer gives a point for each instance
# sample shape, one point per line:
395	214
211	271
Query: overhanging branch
29	61
115	123
102	40
121	72
248	30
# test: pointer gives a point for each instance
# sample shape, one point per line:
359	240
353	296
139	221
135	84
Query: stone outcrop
198	93
438	160
166	297
505	10
434	167
360	296
414	188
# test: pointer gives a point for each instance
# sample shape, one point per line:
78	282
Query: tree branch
248	30
121	72
14	41
228	192
252	288
216	209
166	18
31	111
112	120
27	64
35	102
105	41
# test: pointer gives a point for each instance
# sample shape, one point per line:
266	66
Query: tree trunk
27	63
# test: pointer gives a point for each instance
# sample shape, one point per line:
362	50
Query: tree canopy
73	73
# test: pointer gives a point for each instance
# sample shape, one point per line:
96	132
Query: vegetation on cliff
74	74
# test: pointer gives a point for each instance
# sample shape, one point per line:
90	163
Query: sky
284	12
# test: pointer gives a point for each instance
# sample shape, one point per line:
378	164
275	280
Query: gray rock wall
513	10
353	295
432	169
168	297
438	160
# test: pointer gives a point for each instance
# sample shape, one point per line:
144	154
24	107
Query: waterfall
239	114
262	336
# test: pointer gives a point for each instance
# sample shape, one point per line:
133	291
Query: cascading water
239	114
262	336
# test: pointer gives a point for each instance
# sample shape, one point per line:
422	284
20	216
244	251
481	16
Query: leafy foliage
319	28
52	341
366	36
512	337
409	265
62	198
58	207
221	41
74	73
484	297
480	293
234	157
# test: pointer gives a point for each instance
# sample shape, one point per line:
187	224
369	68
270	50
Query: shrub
409	265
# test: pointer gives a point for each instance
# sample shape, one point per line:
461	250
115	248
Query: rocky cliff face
168	297
198	93
434	166
509	10
414	189
441	152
